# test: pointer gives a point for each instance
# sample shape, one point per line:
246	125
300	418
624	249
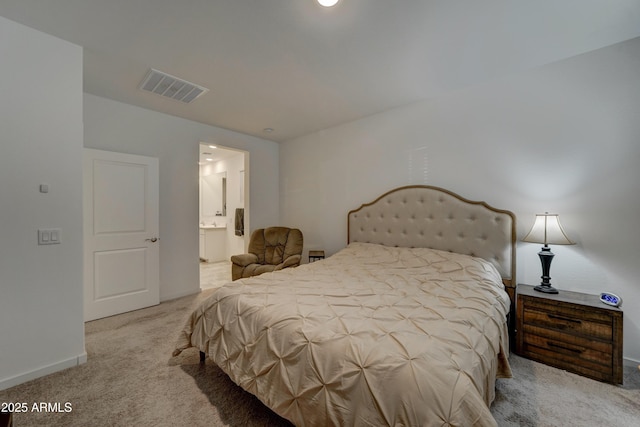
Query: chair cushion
244	259
272	245
257	269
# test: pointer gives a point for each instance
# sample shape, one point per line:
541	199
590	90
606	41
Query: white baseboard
629	361
42	371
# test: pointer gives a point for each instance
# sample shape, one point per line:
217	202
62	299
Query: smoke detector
171	87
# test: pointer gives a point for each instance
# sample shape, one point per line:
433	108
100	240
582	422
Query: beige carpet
130	379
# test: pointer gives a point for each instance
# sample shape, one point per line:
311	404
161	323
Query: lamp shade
547	230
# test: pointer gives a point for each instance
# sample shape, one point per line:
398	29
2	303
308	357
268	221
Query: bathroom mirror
213	195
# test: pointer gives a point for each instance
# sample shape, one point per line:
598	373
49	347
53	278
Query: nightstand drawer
582	350
589	324
575	359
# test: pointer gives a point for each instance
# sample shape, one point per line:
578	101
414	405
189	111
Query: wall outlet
49	236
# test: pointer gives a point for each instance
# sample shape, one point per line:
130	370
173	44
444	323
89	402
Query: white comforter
370	336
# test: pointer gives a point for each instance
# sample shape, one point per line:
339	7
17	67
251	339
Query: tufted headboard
432	217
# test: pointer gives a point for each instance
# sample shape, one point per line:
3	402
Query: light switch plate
49	236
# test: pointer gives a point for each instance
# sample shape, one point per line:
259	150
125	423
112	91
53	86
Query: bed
407	325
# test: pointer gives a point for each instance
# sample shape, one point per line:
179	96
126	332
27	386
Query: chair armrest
244	259
293	260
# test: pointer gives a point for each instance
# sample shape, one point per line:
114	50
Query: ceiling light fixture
327	3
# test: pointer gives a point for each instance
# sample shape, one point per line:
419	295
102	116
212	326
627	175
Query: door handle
152	240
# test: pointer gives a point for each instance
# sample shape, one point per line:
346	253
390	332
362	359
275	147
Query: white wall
563	138
41	324
114	126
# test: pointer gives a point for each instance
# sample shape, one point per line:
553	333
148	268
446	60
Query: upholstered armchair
270	249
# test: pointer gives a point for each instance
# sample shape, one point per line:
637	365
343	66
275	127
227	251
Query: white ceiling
298	68
215	154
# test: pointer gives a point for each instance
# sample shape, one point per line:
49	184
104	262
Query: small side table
571	331
316	255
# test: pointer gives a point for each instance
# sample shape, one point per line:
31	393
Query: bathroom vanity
213	242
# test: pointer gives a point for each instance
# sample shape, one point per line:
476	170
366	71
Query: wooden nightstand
316	255
571	331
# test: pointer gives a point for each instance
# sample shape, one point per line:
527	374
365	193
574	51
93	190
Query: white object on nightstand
611	299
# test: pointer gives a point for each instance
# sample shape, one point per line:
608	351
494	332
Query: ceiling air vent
171	87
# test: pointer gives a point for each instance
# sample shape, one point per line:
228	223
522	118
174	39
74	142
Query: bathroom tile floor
214	274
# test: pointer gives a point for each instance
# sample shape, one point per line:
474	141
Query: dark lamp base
546	256
547	289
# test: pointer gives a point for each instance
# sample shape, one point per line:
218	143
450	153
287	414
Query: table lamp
547	230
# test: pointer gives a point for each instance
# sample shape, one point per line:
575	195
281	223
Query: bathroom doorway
224	194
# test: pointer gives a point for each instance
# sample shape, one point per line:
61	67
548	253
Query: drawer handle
573	350
566	319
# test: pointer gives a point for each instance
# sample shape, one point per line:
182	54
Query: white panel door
121	243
